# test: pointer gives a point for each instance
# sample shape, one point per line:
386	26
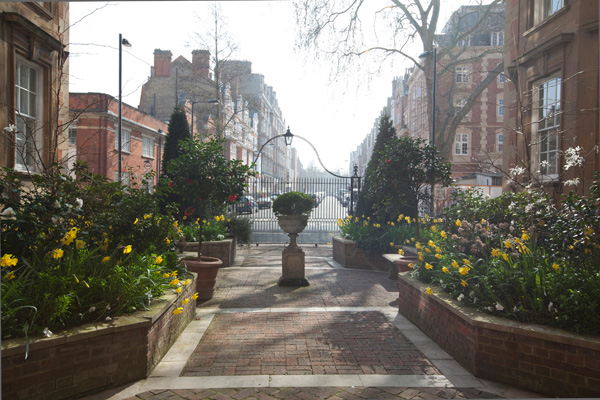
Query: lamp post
287	136
122	42
213	101
423	55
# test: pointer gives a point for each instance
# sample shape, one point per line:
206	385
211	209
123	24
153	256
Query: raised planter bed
221	249
537	358
349	255
95	357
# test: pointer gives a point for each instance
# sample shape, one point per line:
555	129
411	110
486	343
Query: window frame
500	142
463	74
544	9
498	37
464	144
125	140
145	146
546	136
26	159
500	107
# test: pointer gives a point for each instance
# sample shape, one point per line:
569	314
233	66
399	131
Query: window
147	147
464	42
500	142
543	9
461	144
124	178
72	135
497	38
547	117
27	107
500	107
125	141
501	77
462	74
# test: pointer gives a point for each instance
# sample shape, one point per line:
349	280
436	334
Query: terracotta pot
207	269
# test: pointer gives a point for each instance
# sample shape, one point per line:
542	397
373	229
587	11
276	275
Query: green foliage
366	197
78	249
179	130
204	179
293	203
530	262
214	229
239	227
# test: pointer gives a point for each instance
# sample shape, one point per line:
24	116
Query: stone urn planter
292	210
207	269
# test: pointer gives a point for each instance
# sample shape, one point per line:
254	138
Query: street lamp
213	101
122	42
423	55
288	136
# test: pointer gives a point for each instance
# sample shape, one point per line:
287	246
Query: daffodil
458	223
427	250
454	264
178	310
79	244
421	258
158	260
174	273
556	267
411	265
464	283
9	260
187	282
10	276
136	221
430	243
127	249
185	301
433	228
445	270
463	270
178	290
106	259
76	279
508	244
438	256
418	246
401	252
57	253
174	282
443	234
428	266
588	231
505	257
428	290
195	296
525	236
391	244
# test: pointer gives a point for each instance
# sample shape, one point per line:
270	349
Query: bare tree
336	30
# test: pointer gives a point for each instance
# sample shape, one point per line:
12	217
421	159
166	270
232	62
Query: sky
334	115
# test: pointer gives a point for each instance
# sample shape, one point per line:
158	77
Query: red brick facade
96	116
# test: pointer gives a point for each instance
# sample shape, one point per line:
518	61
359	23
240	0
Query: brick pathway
303	343
329	393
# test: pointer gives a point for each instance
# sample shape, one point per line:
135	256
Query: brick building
93	139
551	58
34	84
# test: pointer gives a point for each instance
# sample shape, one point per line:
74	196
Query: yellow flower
106	259
391	244
428	266
79	244
185	301
434	228
392	223
329	243
427	250
431	244
401	252
158	260
136	221
178	290
57	253
496	252
195	296
174	273
174	282
428	290
411	265
464	283
454	264
443	234
463	270
407	241
86	284
127	249
556	267
178	310
187	282
445	270
505	257
412	239
10	276
76	279
167	241
508	244
407	219
146	216
524	249
438	250
421	256
418	246
588	231
438	256
458	223
8	260
466	261
525	236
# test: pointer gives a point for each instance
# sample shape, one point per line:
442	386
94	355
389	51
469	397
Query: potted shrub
206	182
292	211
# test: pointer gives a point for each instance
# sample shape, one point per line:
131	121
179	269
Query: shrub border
546	360
95	357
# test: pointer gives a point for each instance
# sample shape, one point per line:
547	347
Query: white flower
56	204
573	158
550	306
460	297
490	309
220	237
47	332
572	182
11	128
499	307
92	309
528	207
515	309
108	307
516	171
108	319
79	204
7	212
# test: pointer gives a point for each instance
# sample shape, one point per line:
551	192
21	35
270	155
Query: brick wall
92	358
540	359
347	253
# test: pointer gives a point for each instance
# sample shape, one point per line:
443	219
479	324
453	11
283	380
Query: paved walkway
339	338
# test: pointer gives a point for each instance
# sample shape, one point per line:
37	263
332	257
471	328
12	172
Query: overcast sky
334	116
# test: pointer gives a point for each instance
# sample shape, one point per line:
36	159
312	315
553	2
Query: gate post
352	178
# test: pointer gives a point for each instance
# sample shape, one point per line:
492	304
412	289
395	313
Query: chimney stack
162	63
201	63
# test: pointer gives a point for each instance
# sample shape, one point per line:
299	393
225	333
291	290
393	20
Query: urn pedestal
293	259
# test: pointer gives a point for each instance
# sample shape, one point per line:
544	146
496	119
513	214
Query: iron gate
334	198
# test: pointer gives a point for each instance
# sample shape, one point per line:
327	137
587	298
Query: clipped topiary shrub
293	203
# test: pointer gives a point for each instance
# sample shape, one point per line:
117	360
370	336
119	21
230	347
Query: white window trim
497	38
500	107
535	131
152	143
463	74
462	142
125	141
33	139
500	143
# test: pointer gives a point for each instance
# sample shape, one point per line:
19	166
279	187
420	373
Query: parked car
246	205
316	199
264	202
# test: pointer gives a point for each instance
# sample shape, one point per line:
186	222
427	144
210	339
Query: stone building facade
551	58
34	75
93	139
